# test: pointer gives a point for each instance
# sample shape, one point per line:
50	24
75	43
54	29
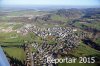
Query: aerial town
49	35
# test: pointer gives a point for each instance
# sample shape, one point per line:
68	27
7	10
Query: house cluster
43	32
67	39
45	50
29	55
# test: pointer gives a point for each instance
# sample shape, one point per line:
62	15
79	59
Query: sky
52	2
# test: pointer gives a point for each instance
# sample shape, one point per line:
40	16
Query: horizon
47	7
50	3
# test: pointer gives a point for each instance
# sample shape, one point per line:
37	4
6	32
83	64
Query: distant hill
70	13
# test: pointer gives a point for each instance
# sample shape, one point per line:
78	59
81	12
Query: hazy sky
52	2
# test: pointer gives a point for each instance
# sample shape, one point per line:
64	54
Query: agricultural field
16	53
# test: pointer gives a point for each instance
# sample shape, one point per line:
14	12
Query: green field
17	53
97	41
59	18
95	25
26	12
84	50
